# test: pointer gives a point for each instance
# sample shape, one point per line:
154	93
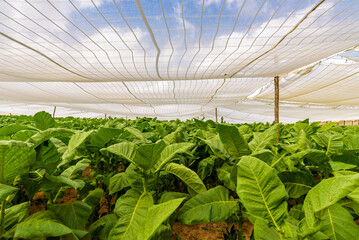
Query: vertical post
105	116
276	102
216	116
53	114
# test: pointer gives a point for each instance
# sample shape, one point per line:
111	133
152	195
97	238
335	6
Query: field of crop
72	178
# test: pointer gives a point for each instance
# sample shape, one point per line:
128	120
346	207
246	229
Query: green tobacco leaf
265	155
125	150
75	171
214	205
326	193
73	215
167	196
45	135
104	135
170	151
131	208
205	167
224	175
264	140
332	142
15	214
233	141
43	120
23	135
12	128
264	232
296	183
93	198
297	212
261	191
347	158
41	225
313	157
338	224
156	215
55	182
75	142
351	143
216	146
6	190
102	227
117	182
189	177
354	195
16	157
137	134
147	155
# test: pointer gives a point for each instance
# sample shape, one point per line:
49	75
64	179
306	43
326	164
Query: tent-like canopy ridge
180	59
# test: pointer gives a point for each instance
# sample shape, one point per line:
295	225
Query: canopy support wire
138	41
276	103
43	55
199	42
62	29
282	39
213	41
185	40
140	9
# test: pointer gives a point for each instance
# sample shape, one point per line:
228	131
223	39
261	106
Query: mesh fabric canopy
180	59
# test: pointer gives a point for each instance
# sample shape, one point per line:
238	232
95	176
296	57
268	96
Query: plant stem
2	224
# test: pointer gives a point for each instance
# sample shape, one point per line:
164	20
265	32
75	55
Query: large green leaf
189	177
16	157
147	155
131	208
125	150
224	175
156	215
264	140
45	135
214	205
12	128
75	142
117	182
43	120
338	224
75	171
137	134
6	190
205	167
73	215
102	227
168	196
263	232
233	141
41	225
216	146
93	197
296	183
15	214
104	135
332	142
326	193
170	151
261	191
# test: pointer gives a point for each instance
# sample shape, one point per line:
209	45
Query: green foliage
132	179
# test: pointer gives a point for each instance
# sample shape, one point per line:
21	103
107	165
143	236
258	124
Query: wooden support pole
53	114
216	116
105	116
276	102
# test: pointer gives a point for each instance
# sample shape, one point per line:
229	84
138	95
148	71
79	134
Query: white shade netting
180	59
